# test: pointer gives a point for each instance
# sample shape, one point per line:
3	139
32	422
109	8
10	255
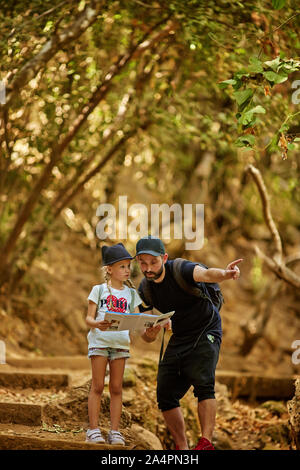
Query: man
193	350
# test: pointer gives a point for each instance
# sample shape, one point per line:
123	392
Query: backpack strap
193	290
162	346
146	291
131	299
99	295
201	291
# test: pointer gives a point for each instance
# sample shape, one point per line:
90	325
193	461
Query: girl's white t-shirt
120	303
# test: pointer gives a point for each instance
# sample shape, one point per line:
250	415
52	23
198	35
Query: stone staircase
29	386
26	386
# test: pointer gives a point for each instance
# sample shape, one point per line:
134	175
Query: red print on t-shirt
118	305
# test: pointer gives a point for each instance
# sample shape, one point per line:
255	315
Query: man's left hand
152	332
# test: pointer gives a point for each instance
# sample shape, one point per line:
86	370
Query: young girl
109	346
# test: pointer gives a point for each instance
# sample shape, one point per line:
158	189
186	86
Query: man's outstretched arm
216	274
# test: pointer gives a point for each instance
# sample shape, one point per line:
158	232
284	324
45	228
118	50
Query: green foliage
278	4
258	77
174	86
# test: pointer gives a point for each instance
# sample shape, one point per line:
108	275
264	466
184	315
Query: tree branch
85	19
275	264
45	13
58	148
265	199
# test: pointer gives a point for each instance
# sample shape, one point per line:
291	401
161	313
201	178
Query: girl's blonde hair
107	278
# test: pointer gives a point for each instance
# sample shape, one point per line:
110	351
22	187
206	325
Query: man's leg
200	368
175	423
207	417
171	387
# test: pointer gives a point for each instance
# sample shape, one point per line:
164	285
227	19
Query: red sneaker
204	444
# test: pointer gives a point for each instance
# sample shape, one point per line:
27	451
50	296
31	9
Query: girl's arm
90	318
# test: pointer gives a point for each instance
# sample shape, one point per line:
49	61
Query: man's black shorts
184	366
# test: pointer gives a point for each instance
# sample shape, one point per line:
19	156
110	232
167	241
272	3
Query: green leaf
284	128
278	4
275	77
243	96
247	117
245	141
241	73
258	109
273	64
225	83
289	66
273	144
256	65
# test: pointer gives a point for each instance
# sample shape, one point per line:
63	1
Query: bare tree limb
276	264
265	198
280	269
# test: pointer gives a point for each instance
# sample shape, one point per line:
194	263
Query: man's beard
155	275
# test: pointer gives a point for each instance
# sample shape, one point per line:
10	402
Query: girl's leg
99	364
117	367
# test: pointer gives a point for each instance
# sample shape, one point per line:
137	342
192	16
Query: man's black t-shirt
192	314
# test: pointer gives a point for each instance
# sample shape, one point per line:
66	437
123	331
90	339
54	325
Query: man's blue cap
150	245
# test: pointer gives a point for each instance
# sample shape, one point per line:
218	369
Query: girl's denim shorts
110	353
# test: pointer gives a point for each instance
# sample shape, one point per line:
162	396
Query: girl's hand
102	325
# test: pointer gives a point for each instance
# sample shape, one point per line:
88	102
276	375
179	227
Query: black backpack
208	290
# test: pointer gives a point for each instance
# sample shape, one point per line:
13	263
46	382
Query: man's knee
204	392
167	403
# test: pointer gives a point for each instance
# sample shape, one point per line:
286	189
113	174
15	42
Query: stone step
55	362
21	413
35	380
26	442
245	384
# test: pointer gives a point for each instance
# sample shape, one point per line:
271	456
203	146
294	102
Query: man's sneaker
204	444
94	435
115	437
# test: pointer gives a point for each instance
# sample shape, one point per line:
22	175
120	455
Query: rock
224	406
129	379
128	396
145	440
222	442
74	409
277	408
278	433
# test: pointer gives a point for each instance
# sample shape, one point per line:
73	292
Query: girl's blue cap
115	253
